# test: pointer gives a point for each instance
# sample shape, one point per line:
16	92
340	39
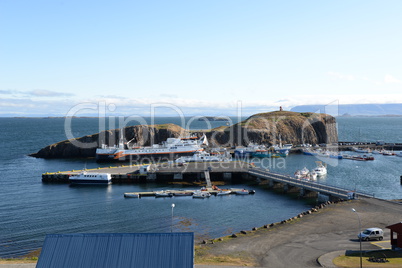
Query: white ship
91	178
171	148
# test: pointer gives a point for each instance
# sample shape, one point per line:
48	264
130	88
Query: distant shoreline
201	118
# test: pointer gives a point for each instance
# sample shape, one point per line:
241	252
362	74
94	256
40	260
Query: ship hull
135	157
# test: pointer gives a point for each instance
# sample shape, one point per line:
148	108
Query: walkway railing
308	185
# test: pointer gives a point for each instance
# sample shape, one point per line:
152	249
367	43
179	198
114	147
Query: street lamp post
171	225
360	238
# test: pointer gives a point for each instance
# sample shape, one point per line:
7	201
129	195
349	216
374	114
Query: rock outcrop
142	135
265	128
275	127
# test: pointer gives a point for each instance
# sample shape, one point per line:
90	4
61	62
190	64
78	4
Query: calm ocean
31	209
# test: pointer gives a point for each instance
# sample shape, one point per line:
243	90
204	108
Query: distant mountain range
392	109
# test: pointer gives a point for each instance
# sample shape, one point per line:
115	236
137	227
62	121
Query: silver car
371	233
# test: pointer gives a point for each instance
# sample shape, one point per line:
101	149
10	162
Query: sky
128	57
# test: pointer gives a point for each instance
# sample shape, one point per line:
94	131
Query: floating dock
180	193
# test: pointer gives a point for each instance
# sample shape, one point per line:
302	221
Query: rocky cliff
280	126
265	128
142	135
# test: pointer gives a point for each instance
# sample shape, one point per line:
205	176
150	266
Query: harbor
107	207
206	172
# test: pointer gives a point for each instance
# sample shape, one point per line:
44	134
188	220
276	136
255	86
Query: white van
371	233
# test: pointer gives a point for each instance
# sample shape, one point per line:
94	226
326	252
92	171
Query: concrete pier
233	170
213	171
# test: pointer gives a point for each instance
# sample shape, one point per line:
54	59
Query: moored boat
172	147
361	150
201	194
224	192
202	156
320	170
242	192
163	193
91	178
312	175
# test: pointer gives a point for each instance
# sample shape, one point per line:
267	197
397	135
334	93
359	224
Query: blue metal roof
114	250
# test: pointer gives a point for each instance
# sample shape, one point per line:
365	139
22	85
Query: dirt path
300	242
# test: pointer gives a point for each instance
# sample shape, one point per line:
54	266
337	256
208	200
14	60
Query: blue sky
197	57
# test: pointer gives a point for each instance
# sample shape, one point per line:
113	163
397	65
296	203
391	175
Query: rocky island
264	128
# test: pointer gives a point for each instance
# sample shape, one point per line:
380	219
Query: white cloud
48	93
388	79
342	76
170	107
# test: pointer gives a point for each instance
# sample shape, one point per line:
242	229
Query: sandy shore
300	242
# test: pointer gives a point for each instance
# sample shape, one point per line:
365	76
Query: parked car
371	233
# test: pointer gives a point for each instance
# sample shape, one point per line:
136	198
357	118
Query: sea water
31	209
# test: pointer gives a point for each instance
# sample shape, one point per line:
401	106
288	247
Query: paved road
300	244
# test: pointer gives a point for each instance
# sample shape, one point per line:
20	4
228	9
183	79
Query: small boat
362	158
242	192
224	192
302	174
321	170
163	193
360	150
201	194
91	178
388	153
312	175
399	154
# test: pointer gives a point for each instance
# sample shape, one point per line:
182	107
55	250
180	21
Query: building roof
397	227
118	250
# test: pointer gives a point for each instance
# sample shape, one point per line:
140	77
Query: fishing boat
171	148
261	153
244	152
91	178
282	150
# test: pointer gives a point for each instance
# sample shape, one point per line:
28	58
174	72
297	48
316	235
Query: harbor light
171	226
360	238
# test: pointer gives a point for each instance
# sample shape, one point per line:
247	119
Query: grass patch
353	259
202	256
19	260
